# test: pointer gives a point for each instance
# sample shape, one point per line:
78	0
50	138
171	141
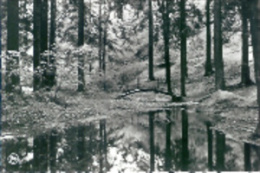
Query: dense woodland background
84	60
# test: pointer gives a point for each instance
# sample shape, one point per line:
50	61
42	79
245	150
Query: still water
163	140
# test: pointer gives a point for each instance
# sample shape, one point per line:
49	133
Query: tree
1	59
208	65
255	33
183	47
51	76
107	14
100	36
81	83
151	75
44	42
12	64
36	43
218	54
120	10
245	72
166	29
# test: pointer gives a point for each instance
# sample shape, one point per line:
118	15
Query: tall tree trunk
183	47
51	77
105	37
255	32
208	65
1	63
44	26
36	43
12	63
100	36
120	10
218	53
245	72
166	29
44	41
81	82
151	74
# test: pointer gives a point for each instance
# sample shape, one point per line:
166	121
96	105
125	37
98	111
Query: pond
162	140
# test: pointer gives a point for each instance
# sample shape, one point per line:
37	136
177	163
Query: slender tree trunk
255	32
245	72
151	74
166	29
44	26
218	53
105	37
208	65
51	77
12	62
36	43
100	37
0	57
120	10
81	82
44	42
183	47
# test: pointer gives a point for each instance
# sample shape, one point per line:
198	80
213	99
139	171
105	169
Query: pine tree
36	43
166	29
218	53
51	76
255	33
150	66
208	64
12	63
245	72
183	47
81	82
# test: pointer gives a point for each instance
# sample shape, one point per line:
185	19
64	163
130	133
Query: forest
129	86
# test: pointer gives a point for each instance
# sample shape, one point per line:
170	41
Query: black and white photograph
129	86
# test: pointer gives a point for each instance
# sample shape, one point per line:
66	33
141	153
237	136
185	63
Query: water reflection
164	140
247	156
220	151
185	139
151	132
210	146
168	150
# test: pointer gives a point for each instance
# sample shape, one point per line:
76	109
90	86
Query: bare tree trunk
151	74
12	62
100	37
1	58
36	43
166	28
208	65
81	82
245	72
51	77
218	54
255	32
183	47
